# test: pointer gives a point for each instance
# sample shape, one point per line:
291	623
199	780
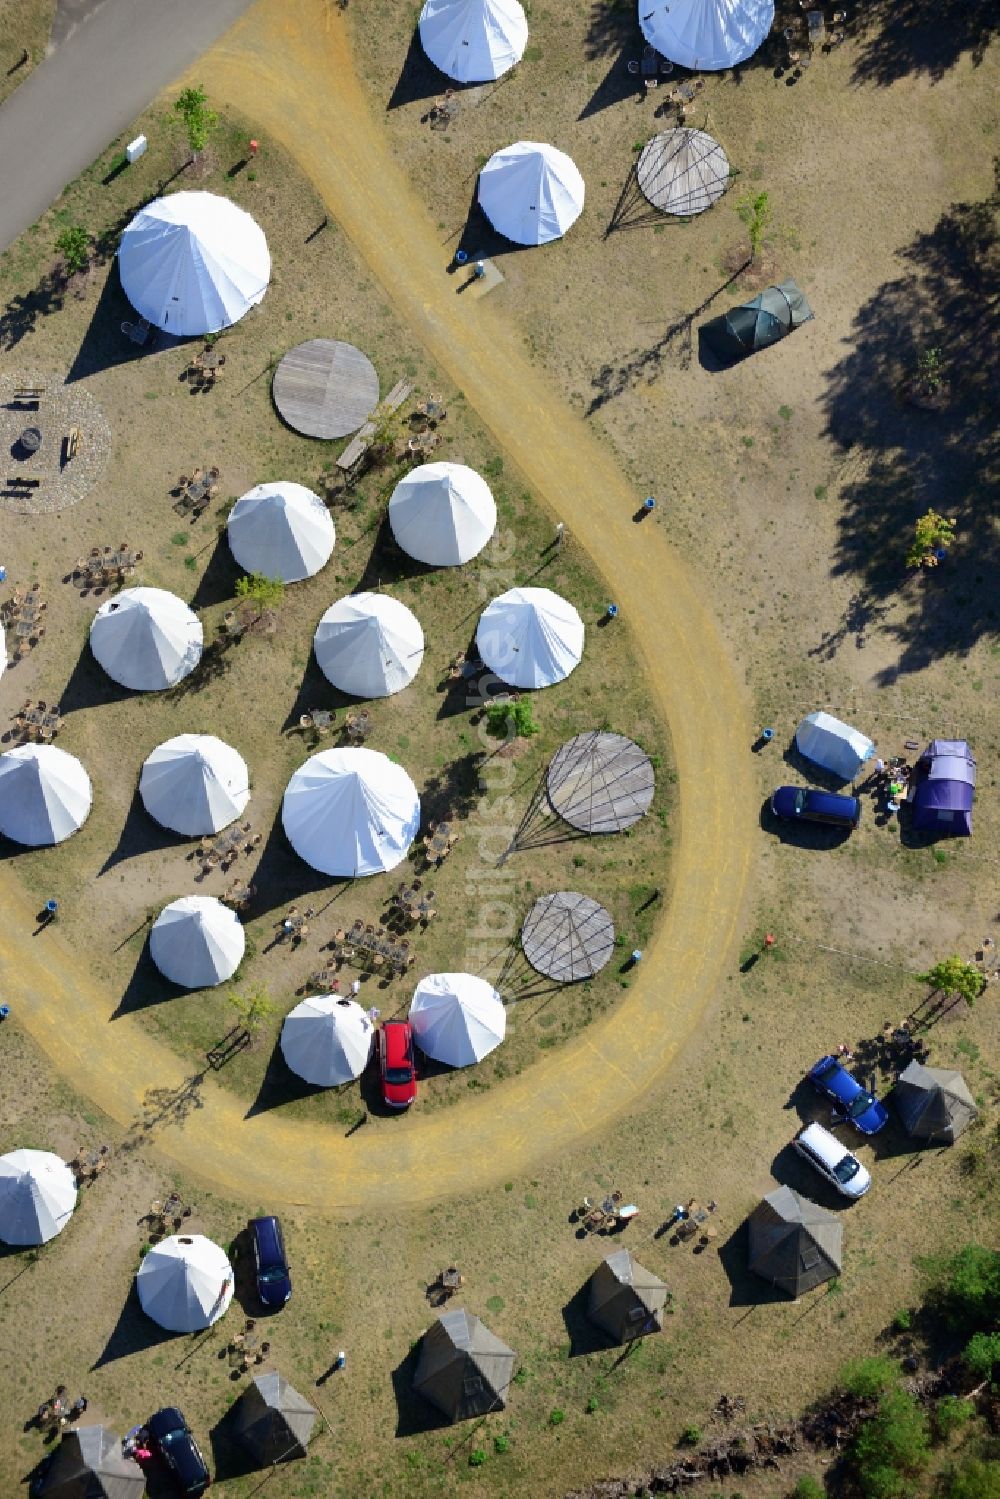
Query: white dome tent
706	35
37	1196
282	531
146	639
193	263
185	1283
473	41
530	637
350	812
442	513
194	784
531	193
833	745
327	1041
197	942
369	644
457	1018
45	795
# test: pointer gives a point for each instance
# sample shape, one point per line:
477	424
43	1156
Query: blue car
855	1103
805	804
172	1438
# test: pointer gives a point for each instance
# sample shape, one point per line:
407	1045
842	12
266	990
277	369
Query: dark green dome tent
776	311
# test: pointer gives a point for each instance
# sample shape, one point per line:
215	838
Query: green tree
965	1288
951	1413
982	1354
199	120
931	533
254	1009
868	1377
512	720
972	1479
755	211
266	593
890	1447
808	1487
954	977
73	245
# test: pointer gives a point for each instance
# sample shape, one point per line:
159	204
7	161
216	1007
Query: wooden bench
356	449
72	444
27	393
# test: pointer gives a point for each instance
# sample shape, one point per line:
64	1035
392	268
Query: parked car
806	804
855	1103
395	1064
274	1279
172	1438
824	1151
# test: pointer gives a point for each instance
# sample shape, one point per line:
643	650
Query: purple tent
942	795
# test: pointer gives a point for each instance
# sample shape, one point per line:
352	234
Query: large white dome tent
282	531
531	193
350	812
327	1041
194	784
146	639
193	263
442	514
37	1196
473	41
45	795
457	1018
197	942
706	35
369	644
530	637
185	1283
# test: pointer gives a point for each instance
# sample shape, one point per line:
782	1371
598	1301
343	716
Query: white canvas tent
45	794
193	263
369	645
530	637
531	193
351	812
197	942
442	513
281	530
185	1283
457	1018
37	1196
473	41
832	745
146	639
706	35
327	1040
194	784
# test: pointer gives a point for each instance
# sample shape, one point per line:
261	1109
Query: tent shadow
89	686
478	239
140	834
104	345
282	878
388	563
146	987
584	1337
745	1288
280	1086
230	1459
134	1332
616	85
414	1414
418	78
217	584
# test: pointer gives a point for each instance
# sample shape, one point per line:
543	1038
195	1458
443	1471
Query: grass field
24	27
789	486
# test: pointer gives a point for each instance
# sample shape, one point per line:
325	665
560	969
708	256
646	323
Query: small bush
690	1436
556	1417
868	1377
501	1444
974	1479
593	1404
902	1321
950	1414
808	1487
982	1354
477	1457
73	245
890	1447
513	720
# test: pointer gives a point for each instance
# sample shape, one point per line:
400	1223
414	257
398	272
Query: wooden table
325	388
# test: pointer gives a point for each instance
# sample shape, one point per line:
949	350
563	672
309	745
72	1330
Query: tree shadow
280	1086
584	1336
21	314
213	664
140	834
134	1332
900	459
612	26
414	1414
745	1288
452	792
162	1107
898	38
418	78
146	987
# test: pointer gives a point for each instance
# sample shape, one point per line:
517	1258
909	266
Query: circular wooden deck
324	388
600	783
682	171
567	936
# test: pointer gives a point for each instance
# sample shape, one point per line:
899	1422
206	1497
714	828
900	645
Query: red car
395	1064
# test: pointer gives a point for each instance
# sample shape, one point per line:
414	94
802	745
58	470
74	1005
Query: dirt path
293	74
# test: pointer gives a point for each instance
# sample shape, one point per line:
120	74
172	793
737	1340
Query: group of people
56	1413
889	782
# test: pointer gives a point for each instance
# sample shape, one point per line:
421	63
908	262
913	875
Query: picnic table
439	843
358	725
36	721
318	718
374	944
104	563
429	412
197	490
223	848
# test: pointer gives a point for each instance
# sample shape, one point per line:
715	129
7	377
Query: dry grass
24	26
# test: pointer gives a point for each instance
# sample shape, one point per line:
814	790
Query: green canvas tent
773	313
626	1299
793	1243
463	1368
933	1102
272	1421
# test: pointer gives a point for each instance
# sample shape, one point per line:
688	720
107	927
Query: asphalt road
108	59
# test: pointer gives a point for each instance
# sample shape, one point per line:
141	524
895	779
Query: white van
841	1169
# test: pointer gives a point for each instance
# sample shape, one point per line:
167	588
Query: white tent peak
45	794
706	35
530	637
37	1196
457	1018
369	644
442	513
146	639
185	1283
351	812
197	942
327	1040
473	41
281	530
193	263
531	193
194	784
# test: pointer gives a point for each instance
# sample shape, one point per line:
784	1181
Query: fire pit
30	439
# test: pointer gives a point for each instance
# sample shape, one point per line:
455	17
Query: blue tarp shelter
833	745
943	790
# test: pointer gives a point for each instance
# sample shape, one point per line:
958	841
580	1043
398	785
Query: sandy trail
290	70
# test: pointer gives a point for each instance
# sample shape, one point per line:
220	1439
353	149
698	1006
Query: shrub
868	1377
501	1444
953	977
192	106
965	1288
890	1447
556	1417
931	533
593	1404
950	1413
477	1457
973	1479
73	245
902	1321
690	1436
808	1487
266	593
982	1354
513	720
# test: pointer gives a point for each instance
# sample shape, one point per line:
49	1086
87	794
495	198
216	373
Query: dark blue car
855	1103
274	1279
805	804
173	1440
